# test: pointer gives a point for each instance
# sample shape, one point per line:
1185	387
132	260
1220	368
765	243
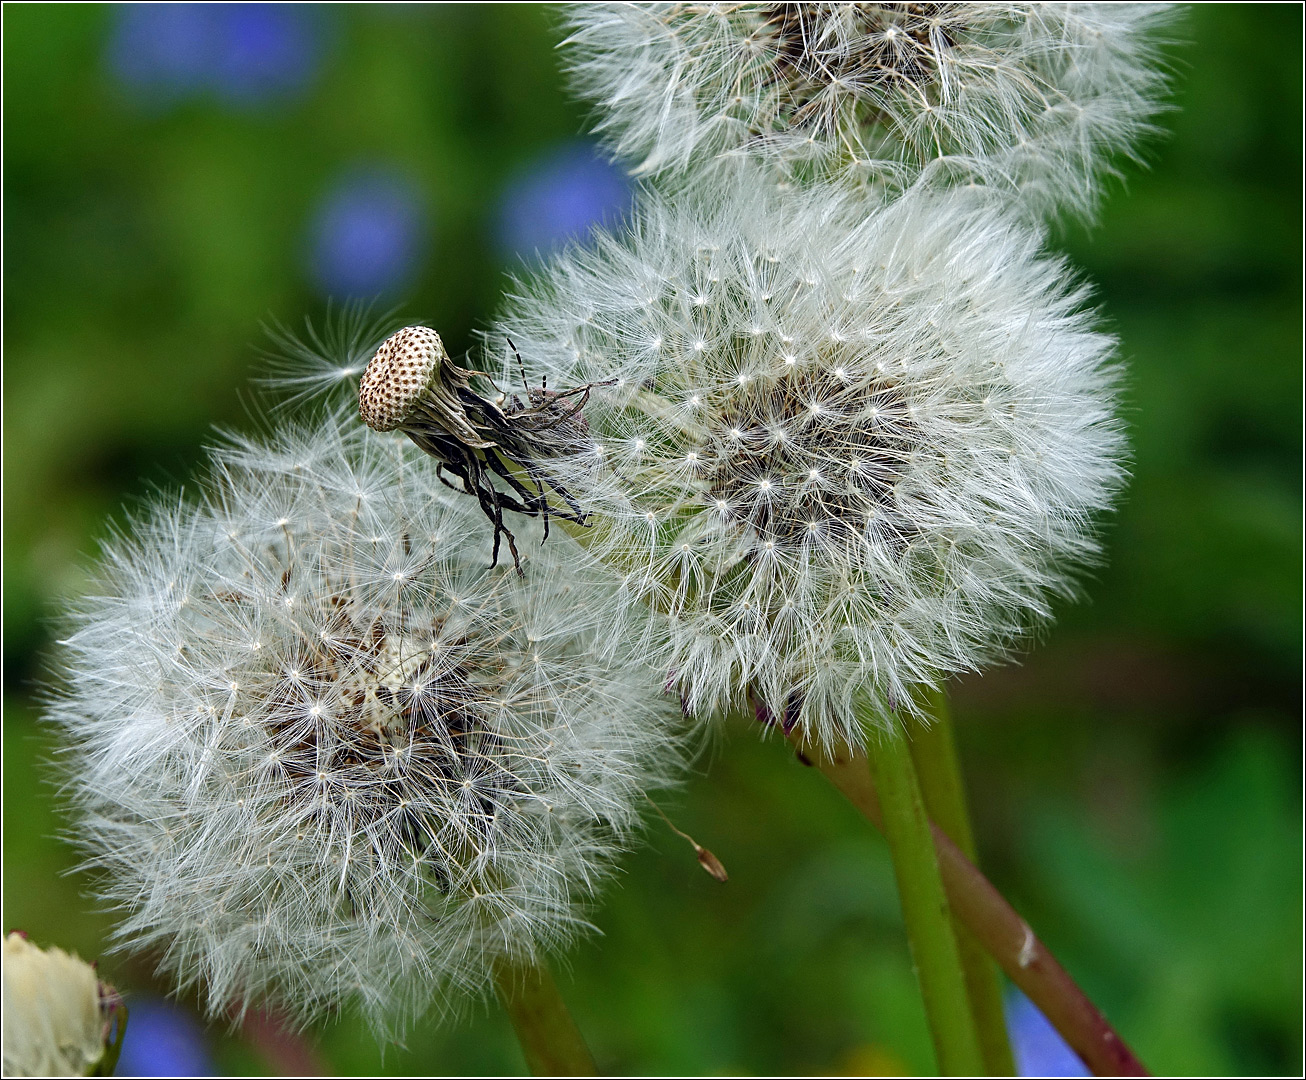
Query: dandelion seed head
426	766
893	515
1035	99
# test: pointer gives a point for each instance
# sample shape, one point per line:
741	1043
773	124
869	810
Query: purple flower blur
560	196
1039	1049
163	1039
369	235
245	54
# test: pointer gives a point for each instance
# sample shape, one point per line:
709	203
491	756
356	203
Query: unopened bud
58	1017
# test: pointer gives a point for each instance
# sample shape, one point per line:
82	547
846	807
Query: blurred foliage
1136	781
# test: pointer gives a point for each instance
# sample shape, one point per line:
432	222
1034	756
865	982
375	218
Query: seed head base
412	386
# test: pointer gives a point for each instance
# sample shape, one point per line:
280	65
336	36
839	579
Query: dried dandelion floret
411	385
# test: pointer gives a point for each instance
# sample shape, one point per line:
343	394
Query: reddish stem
1002	932
288	1052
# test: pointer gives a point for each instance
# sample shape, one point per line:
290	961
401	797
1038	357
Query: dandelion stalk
934	753
549	1038
1003	933
113	1048
925	910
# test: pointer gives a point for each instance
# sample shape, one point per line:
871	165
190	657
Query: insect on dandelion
321	754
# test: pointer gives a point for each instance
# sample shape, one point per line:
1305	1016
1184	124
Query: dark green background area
1136	778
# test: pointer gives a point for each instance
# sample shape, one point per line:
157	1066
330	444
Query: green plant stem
113	1050
997	926
549	1038
934	752
925	910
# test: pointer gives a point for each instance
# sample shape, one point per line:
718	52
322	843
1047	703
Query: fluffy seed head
322	754
1035	98
848	454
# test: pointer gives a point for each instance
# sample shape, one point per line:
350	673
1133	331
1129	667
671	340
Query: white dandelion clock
848	455
1037	98
321	754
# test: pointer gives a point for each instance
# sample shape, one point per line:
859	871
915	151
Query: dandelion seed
324	361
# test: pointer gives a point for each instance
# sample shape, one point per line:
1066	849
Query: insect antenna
520	365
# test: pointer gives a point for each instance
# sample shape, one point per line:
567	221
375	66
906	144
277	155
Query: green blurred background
1136	779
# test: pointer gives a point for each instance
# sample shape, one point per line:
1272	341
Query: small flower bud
58	1017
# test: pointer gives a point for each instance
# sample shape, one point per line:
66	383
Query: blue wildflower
1039	1049
560	196
163	1039
241	53
369	235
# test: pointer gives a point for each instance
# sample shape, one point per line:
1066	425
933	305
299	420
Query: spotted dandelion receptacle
411	385
321	755
411	379
848	454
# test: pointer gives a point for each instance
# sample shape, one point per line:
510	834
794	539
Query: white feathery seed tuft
323	363
848	454
321	754
1035	98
